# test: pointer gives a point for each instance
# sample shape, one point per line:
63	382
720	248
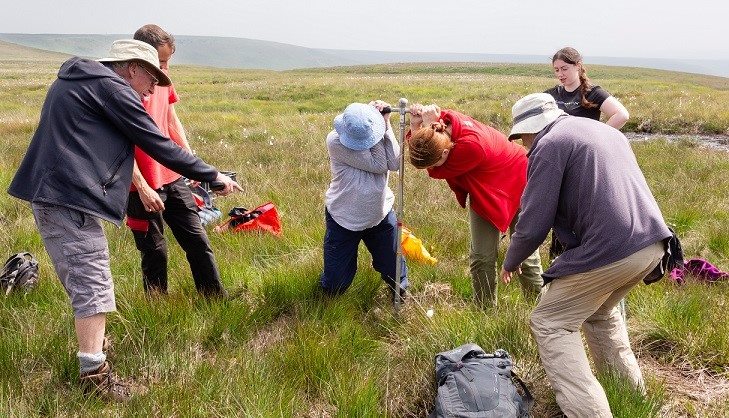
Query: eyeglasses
155	81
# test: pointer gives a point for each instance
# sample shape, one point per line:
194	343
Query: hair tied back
438	127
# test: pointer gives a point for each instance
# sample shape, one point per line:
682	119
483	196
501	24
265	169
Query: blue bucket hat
360	127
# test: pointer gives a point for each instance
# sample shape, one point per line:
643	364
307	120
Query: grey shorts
76	243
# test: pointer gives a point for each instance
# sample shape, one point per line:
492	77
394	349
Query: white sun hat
533	113
133	50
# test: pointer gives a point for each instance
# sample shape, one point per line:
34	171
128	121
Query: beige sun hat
533	113
131	49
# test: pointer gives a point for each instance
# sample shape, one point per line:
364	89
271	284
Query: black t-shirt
570	101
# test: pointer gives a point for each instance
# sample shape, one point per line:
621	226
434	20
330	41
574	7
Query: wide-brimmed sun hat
130	50
533	113
360	126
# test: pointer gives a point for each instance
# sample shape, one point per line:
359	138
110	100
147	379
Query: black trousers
180	214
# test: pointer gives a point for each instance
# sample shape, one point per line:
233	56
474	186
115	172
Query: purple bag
699	268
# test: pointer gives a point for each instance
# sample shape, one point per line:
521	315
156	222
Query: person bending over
585	183
485	171
77	171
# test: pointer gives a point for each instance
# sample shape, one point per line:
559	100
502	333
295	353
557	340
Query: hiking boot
105	384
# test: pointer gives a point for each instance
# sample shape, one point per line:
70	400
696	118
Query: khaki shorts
77	246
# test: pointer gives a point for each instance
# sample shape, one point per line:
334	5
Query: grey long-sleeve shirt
358	196
583	180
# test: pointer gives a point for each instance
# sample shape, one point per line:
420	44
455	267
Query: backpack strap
527	396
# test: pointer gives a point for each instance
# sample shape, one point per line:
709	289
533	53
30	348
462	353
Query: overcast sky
620	28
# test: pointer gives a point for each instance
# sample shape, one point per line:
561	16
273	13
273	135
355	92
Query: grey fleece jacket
583	180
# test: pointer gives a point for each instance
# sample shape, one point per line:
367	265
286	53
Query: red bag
263	218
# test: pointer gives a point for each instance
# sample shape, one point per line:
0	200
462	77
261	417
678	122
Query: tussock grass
279	347
681	324
627	402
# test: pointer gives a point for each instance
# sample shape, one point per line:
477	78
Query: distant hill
15	52
196	50
250	53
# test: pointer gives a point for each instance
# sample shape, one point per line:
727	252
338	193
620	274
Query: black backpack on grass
20	271
474	384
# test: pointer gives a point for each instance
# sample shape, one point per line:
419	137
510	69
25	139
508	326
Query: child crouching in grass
362	151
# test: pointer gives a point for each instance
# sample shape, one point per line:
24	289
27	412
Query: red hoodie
484	164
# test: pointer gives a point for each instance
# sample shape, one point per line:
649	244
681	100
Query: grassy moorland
278	348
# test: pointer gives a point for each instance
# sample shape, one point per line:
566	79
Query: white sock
89	362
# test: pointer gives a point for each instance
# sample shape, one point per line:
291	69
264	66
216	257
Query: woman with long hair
576	95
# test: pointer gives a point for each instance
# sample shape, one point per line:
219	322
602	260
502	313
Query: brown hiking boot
106	384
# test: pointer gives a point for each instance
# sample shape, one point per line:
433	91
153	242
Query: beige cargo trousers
588	301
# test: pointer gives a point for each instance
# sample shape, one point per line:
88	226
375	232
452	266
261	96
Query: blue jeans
340	253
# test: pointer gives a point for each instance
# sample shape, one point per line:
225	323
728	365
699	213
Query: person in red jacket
484	170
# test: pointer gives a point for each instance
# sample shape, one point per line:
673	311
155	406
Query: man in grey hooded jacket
583	180
77	171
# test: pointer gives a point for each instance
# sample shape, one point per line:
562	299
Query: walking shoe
105	383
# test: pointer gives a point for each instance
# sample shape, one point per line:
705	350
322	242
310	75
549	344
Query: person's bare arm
177	131
416	117
616	113
149	197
